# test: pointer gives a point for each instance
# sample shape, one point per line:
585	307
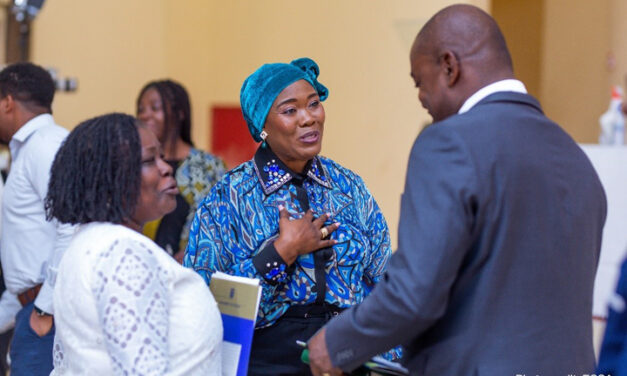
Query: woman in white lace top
122	305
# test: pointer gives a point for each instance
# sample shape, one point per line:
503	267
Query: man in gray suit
500	227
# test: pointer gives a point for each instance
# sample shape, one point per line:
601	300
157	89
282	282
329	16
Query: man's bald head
471	34
457	52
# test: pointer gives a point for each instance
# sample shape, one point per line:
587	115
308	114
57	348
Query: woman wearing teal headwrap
307	227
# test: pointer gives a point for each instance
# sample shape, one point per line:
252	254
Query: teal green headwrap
262	87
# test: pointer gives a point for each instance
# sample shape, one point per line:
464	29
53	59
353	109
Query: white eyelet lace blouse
123	306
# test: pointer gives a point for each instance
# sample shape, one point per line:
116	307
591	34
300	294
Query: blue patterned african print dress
235	226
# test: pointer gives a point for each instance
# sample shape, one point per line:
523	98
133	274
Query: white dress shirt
124	306
9	305
495	87
31	247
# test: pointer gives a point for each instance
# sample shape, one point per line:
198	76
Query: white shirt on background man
30	246
9	305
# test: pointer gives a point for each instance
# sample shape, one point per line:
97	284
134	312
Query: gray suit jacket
499	238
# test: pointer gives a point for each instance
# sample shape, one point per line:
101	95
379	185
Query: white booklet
238	300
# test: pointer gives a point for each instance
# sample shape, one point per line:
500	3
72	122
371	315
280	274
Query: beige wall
373	115
521	23
575	89
112	47
559	48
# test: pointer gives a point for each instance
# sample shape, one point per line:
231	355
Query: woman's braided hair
96	174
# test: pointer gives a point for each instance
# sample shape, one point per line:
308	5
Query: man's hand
41	325
319	360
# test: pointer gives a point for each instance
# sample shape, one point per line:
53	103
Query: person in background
163	106
9	307
122	305
613	355
500	227
305	226
31	247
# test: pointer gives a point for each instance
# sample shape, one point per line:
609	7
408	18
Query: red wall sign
230	139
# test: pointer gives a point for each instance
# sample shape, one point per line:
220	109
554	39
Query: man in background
9	306
500	227
30	246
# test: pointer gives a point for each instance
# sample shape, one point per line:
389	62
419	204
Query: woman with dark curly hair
163	106
119	297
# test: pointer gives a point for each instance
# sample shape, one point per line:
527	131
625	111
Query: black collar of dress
273	173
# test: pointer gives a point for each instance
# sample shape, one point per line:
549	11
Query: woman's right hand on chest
301	236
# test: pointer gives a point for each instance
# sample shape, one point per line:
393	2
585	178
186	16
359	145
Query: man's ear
7	104
450	65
